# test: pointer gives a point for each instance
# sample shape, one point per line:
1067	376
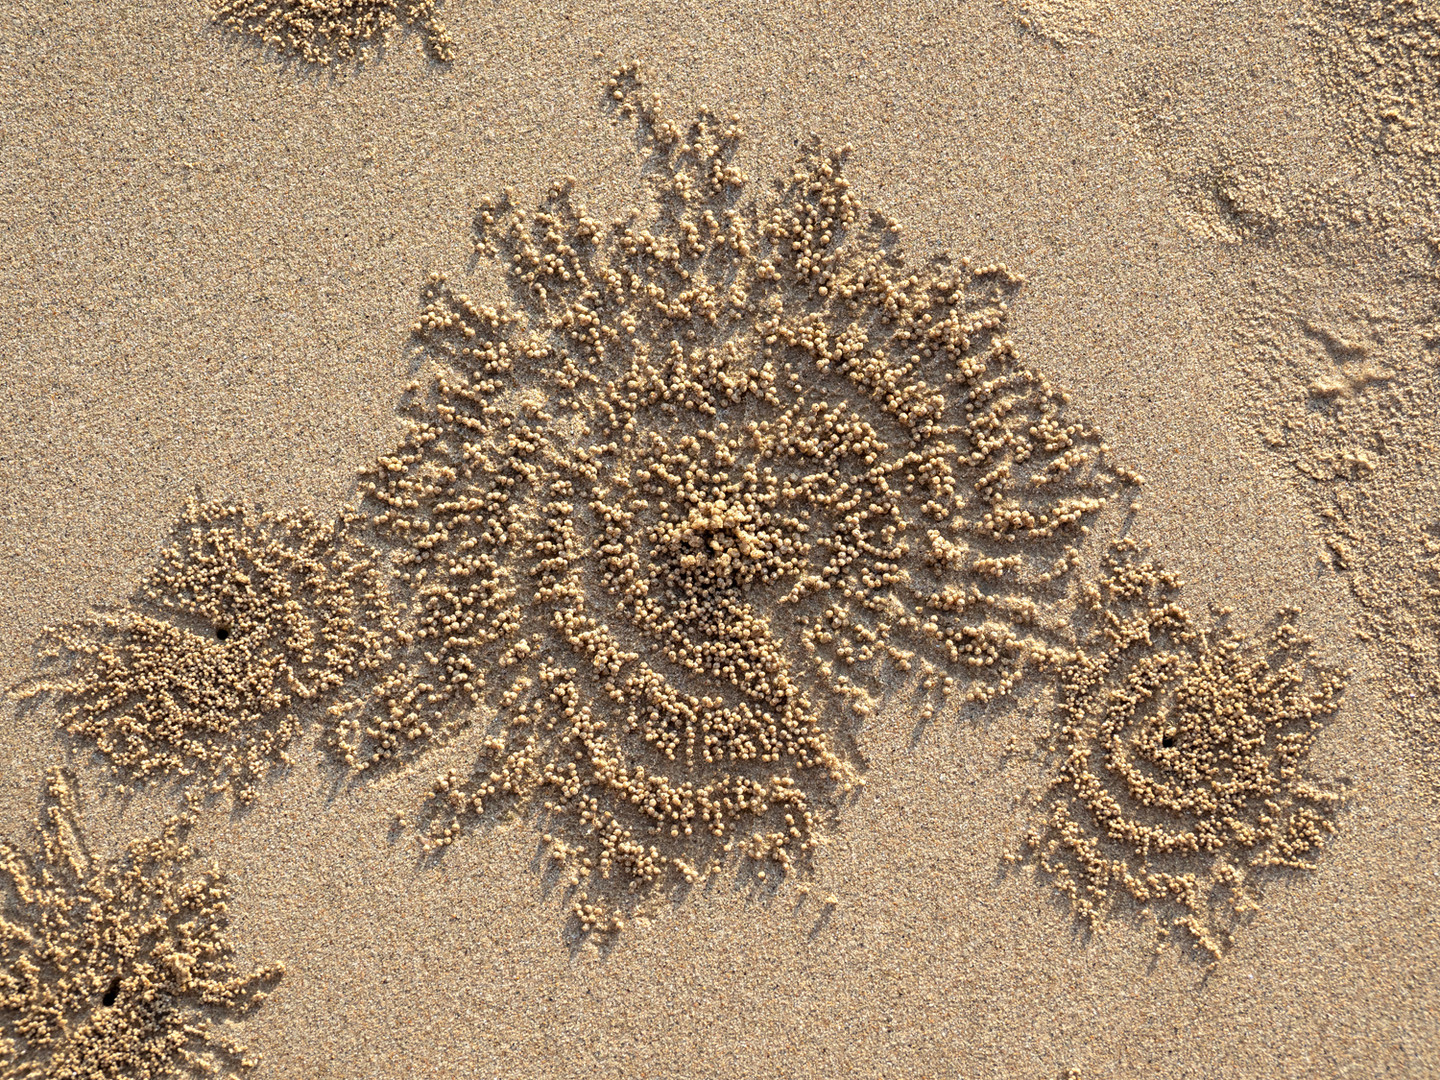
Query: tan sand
213	260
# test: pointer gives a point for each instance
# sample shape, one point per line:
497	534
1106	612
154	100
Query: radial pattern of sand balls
697	494
242	622
700	492
1180	756
707	485
333	31
120	969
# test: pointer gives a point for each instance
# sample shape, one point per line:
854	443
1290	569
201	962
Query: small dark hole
1168	742
222	632
112	992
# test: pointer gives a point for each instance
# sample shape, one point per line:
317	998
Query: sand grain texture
215	259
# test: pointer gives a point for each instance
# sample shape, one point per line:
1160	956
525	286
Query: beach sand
213	259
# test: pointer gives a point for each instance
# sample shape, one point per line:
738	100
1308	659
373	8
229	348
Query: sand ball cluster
704	486
327	32
1180	760
674	511
244	621
116	969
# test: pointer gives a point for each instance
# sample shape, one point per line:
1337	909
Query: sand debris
1179	760
333	32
